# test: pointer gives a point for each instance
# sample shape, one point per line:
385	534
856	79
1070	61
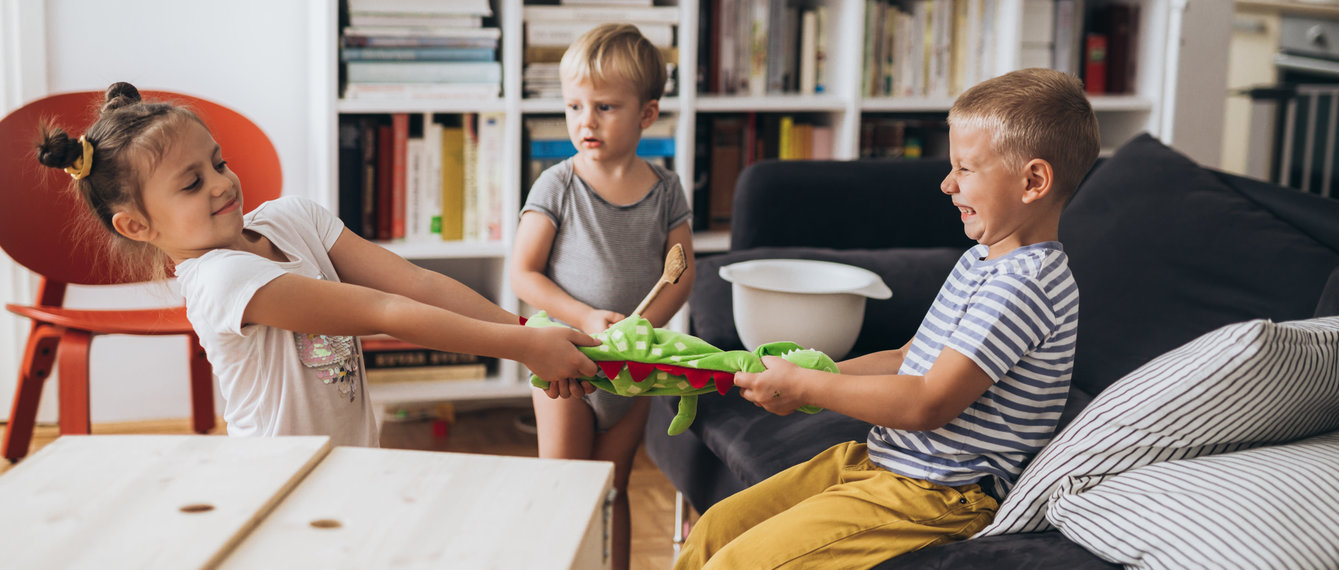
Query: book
400	91
445	373
423	72
607	2
453	183
371	154
758	45
431	190
428	53
386	41
809	52
361	34
399	172
479	7
601	13
415	357
727	160
385	166
549	33
491	131
562	148
1121	21
416	209
554	54
1095	64
379	19
1068	36
470	195
820	49
351	174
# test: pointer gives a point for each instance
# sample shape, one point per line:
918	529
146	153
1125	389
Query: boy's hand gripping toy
636	359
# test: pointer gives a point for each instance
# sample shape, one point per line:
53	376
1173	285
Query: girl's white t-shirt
275	381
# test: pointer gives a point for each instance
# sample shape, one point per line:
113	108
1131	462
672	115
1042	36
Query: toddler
592	240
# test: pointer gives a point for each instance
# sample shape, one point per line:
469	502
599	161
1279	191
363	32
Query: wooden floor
493	431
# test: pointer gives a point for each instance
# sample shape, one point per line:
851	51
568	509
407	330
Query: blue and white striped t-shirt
1016	317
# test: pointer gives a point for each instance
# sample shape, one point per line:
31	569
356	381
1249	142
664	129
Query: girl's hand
551	354
775	389
598	321
568	387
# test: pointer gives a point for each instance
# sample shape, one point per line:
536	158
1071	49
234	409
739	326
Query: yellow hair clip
84	163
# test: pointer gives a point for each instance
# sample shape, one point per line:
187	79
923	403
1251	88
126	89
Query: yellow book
453	183
785	148
450	372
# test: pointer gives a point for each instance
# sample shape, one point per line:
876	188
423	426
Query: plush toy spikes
636	359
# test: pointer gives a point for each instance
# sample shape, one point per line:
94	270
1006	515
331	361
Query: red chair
35	209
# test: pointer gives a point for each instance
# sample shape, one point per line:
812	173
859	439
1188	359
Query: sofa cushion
1240	386
1270	507
914	275
1164	251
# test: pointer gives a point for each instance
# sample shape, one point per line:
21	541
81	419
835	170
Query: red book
385	153
399	172
1095	64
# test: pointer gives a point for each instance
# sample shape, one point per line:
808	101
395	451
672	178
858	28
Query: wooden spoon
675	263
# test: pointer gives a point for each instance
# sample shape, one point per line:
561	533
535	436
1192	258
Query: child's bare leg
619	445
565	427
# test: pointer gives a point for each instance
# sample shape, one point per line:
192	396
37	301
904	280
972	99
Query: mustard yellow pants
837	510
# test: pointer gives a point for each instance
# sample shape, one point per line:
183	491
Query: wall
251	55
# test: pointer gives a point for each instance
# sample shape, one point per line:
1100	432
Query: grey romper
604	255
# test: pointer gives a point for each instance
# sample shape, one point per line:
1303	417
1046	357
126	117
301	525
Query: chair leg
202	388
38	357
74	418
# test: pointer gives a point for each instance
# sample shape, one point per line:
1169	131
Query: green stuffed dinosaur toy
636	359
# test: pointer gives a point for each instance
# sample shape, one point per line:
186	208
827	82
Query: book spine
351	174
418	53
566	33
629	14
453	183
399	172
424	71
453	372
385	168
1095	64
417	357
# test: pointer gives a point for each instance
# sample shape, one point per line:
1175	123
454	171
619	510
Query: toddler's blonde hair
1034	113
613	52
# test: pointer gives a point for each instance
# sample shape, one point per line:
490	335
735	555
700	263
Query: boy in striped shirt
973	396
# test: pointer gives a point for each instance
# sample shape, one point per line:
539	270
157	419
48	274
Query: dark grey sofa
1163	251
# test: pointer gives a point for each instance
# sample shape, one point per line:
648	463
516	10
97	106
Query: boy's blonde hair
1035	113
616	51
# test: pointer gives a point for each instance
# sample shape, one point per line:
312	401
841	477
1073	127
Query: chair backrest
36	205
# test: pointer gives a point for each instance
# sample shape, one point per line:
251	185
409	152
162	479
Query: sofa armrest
865	204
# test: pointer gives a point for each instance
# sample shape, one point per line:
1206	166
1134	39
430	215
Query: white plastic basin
816	304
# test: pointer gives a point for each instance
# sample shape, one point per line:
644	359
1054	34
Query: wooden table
211	501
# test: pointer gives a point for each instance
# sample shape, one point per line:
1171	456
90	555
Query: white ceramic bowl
816	304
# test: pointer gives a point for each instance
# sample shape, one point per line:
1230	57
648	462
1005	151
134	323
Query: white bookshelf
482	265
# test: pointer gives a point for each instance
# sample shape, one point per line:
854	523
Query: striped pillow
1237	387
1270	507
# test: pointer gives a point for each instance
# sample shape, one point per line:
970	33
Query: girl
592	241
277	296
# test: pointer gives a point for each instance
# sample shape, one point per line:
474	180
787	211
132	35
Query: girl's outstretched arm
362	262
298	303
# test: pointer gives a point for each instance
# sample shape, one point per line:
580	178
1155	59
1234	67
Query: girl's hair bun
119	95
56	149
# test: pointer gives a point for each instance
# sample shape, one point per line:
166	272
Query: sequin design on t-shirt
334	359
